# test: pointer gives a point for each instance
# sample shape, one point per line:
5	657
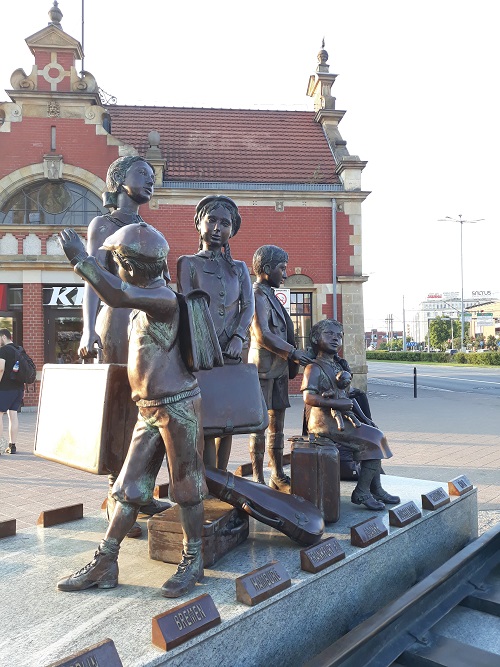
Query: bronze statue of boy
331	414
272	349
166	393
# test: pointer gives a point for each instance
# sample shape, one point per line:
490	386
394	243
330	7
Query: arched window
51	203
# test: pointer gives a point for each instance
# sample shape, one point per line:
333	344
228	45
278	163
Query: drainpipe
334	255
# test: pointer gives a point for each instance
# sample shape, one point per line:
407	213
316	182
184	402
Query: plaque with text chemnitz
176	626
435	499
262	583
367	532
459	485
103	654
317	558
404	514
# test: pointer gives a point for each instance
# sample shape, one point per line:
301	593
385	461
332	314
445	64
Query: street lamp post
462	316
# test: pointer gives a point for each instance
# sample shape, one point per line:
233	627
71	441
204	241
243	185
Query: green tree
439	332
491	342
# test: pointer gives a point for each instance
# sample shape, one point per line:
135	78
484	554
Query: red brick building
289	172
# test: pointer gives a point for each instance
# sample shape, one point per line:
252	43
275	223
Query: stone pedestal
41	625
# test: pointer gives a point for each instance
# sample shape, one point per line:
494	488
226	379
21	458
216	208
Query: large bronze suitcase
224	528
315	475
85	416
232	400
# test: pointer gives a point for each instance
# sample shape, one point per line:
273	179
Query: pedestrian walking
11	391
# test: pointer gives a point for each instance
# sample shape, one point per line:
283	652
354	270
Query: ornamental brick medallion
262	583
368	532
176	626
404	514
459	485
317	558
435	499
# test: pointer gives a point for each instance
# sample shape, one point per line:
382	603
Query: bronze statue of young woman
228	283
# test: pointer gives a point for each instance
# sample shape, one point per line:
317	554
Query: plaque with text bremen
367	532
103	653
262	583
7	528
404	514
435	499
176	626
317	558
459	485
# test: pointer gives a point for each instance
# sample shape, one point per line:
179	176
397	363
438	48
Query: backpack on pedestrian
24	370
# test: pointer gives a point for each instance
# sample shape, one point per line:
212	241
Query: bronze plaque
404	514
103	653
7	528
435	499
459	485
60	515
262	583
367	532
161	491
187	620
317	558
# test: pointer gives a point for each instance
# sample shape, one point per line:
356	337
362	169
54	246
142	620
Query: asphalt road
476	380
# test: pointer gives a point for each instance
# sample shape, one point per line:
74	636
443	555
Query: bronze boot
189	571
379	493
102	571
257	446
275	444
362	494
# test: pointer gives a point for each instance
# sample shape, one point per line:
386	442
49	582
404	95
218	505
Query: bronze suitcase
232	400
85	416
315	475
224	528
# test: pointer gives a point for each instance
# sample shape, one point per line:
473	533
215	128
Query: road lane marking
442	377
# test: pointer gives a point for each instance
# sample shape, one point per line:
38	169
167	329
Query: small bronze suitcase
224	528
315	475
86	416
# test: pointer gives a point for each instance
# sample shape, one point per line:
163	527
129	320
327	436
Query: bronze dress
366	442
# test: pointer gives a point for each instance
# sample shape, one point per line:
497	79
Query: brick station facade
290	173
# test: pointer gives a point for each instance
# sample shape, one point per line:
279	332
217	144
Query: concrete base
41	625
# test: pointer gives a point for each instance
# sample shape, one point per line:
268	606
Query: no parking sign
283	296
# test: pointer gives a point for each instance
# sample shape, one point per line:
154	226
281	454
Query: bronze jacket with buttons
272	335
229	287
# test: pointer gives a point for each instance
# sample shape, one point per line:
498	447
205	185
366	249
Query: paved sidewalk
438	436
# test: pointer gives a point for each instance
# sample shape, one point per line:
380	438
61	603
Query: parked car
452	351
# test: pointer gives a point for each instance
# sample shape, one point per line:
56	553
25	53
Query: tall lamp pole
462	318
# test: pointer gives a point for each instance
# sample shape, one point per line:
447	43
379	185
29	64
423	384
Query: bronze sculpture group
126	267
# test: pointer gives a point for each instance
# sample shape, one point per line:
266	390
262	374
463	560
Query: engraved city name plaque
7	528
60	515
262	583
102	654
459	485
435	499
176	626
404	514
317	558
367	532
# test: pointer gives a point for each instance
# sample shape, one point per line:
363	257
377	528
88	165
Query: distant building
444	304
290	173
374	337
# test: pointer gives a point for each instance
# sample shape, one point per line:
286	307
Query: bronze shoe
367	500
386	498
102	571
189	571
154	507
280	483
